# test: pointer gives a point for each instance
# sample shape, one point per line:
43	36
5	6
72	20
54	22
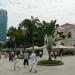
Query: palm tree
20	37
31	26
41	33
12	34
50	29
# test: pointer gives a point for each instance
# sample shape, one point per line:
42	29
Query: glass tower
3	25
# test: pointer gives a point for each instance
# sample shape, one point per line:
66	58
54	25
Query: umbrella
35	48
71	47
63	47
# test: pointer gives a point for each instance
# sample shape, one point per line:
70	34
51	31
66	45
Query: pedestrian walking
55	54
40	54
61	53
15	61
0	55
10	56
26	58
6	55
51	54
33	67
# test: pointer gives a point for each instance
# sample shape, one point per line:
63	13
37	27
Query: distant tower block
3	25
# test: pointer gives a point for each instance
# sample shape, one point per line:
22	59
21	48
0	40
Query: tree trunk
49	56
49	51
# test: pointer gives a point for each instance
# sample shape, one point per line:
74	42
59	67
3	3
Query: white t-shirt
33	58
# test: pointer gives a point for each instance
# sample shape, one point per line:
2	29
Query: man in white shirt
33	63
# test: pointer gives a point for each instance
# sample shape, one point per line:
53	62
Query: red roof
66	24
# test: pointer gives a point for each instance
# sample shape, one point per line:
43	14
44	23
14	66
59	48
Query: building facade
3	25
69	33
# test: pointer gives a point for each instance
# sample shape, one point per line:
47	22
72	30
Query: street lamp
24	32
34	33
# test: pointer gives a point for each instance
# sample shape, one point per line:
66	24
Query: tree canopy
31	31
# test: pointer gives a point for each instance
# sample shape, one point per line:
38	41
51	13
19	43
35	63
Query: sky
61	10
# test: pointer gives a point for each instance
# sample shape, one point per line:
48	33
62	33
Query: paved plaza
6	68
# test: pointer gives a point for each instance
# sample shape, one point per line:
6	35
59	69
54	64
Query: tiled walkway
6	68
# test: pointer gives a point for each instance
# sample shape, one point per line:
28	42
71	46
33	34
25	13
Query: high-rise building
3	25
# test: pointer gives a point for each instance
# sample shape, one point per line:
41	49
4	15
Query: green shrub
42	62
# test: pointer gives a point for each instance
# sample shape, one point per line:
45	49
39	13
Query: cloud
62	10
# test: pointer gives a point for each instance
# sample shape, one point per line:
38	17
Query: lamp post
34	33
24	32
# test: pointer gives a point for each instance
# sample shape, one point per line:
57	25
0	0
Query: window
69	34
74	45
62	43
63	36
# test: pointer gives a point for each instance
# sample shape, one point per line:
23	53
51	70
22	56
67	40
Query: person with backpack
26	58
